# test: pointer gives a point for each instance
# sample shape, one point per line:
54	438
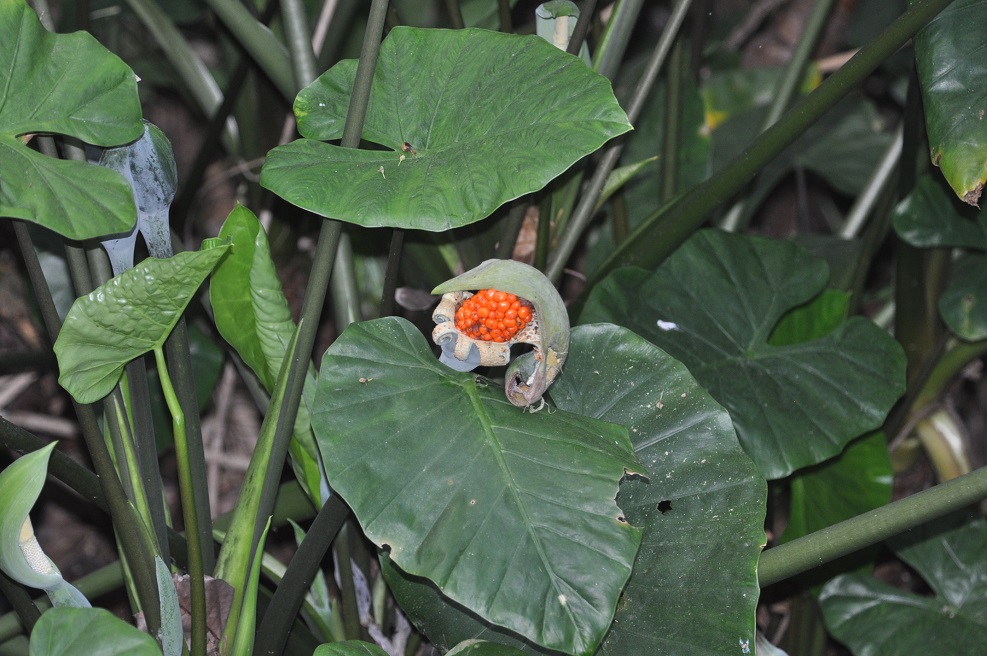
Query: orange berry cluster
492	315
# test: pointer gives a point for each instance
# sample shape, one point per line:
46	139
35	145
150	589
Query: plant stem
192	72
584	211
666	229
273	631
391	273
269	53
455	14
189	511
830	543
24	607
138	554
737	217
617	36
578	37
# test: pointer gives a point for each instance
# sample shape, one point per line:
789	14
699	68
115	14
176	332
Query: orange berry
492	315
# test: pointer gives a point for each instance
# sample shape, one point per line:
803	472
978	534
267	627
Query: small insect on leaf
364	381
406	147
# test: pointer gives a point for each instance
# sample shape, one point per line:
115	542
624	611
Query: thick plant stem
189	511
137	552
578	37
665	230
24	607
823	546
587	203
391	273
273	632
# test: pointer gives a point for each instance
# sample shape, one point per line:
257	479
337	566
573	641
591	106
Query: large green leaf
94	631
713	305
873	618
252	314
511	513
963	304
704	504
952	70
125	318
926	218
470	119
64	84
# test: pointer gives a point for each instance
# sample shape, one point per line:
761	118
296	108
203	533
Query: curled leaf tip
529	375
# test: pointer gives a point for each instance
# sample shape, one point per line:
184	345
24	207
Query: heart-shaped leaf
63	84
470	119
64	631
953	74
704	503
125	318
871	617
512	514
713	305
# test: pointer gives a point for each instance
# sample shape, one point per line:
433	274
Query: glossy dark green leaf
125	318
873	618
963	304
510	513
469	120
926	218
713	305
952	71
93	631
64	84
252	315
704	503
857	480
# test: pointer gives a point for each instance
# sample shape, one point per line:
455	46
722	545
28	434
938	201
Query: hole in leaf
665	507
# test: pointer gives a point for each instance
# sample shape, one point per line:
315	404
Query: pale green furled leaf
92	631
713	305
125	318
469	120
21	557
510	513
